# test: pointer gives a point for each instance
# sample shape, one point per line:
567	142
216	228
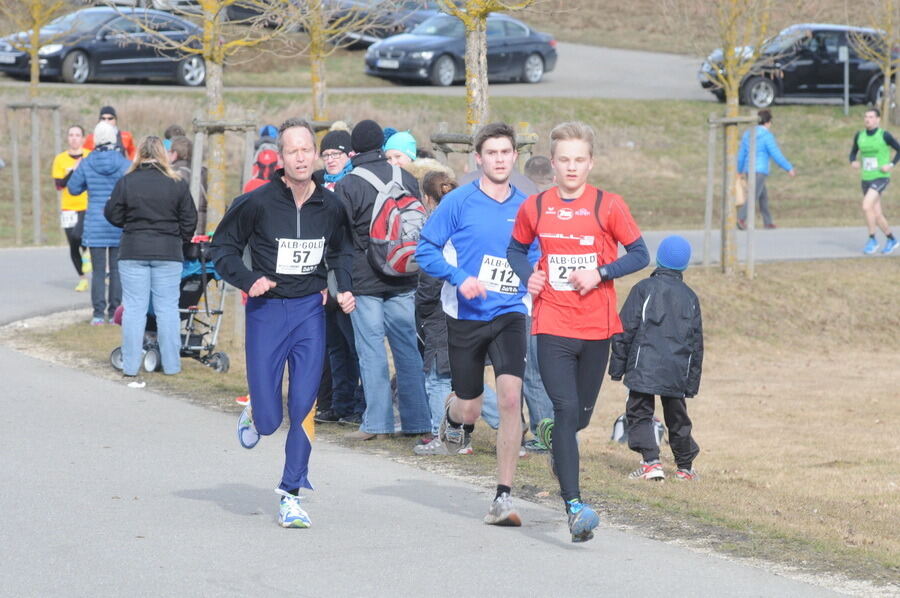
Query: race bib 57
299	256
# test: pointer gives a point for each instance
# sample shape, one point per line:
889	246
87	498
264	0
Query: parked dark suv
803	62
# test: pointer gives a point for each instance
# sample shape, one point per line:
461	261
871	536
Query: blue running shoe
247	434
582	520
871	246
890	246
291	514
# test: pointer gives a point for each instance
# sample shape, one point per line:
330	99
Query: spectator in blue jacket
766	148
97	174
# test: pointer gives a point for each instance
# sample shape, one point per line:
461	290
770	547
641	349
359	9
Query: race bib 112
497	275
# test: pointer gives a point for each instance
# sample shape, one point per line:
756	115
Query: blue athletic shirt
467	235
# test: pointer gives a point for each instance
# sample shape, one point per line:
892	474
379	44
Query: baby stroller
201	323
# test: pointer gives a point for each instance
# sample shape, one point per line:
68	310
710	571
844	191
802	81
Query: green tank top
874	153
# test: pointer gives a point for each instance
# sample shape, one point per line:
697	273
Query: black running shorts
503	339
878	184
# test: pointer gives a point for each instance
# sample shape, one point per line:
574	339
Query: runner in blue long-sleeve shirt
464	243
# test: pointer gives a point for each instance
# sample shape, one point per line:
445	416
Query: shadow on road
240	499
537	524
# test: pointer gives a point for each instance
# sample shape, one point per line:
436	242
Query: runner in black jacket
290	224
661	353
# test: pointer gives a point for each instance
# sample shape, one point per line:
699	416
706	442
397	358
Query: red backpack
397	220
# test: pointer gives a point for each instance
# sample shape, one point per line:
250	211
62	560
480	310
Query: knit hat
336	140
366	136
403	142
674	253
104	133
268	131
108	110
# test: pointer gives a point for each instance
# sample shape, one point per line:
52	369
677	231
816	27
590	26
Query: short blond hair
569	131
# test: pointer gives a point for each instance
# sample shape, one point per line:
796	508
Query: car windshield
79	21
785	41
441	25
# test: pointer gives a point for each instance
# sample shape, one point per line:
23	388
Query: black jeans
639	413
572	370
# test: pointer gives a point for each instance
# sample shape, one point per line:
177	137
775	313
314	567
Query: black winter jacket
432	324
156	213
359	198
260	218
661	350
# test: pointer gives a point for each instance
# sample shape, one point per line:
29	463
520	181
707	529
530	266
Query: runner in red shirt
579	228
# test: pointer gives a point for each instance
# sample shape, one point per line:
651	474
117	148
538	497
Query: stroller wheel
152	361
219	362
115	358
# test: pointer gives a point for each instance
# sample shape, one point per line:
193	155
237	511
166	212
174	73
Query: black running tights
572	371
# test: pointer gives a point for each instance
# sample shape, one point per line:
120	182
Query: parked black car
803	62
374	19
107	43
435	52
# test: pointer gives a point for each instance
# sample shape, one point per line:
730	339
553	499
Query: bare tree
473	14
741	27
328	27
216	44
882	16
30	18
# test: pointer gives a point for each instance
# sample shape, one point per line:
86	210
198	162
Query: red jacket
124	140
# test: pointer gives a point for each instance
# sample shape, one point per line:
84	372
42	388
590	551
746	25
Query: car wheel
758	92
876	94
720	95
533	69
443	71
76	67
191	71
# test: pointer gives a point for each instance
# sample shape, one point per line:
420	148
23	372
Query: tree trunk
318	48
215	157
319	87
35	66
476	73
729	216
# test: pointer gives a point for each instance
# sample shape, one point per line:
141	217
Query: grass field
651	152
796	419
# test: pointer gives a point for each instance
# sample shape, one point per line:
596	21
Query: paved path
117	492
109	491
582	72
40	280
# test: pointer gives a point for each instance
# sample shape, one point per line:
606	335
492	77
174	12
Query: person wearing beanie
123	139
660	353
335	154
400	149
346	401
384	304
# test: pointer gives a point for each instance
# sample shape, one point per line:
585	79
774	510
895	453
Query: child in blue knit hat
660	353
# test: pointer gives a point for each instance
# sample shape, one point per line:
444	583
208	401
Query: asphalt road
109	491
582	72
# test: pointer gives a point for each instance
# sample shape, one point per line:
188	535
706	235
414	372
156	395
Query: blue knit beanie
403	142
674	253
